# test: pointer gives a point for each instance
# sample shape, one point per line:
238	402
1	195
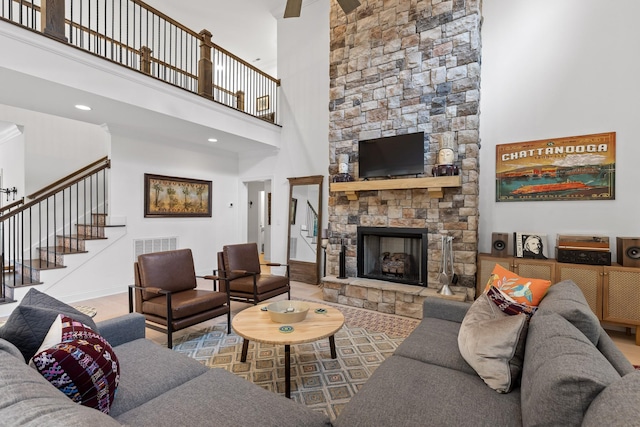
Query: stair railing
312	228
36	234
138	36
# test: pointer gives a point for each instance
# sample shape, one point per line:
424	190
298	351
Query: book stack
579	249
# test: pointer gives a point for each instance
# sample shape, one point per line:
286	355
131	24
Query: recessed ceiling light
212	140
83	107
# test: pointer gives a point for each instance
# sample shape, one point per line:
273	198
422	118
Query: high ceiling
246	28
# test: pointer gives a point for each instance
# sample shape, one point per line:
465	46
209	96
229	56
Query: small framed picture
262	103
531	245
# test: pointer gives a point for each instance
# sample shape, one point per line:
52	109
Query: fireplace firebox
393	254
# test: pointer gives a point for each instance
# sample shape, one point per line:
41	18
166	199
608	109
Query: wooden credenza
612	292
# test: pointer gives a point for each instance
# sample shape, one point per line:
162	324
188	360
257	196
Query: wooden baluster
145	59
205	67
52	19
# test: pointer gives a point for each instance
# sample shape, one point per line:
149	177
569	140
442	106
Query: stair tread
41	264
62	250
83	237
9	281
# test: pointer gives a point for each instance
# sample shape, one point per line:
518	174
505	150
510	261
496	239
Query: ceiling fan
292	10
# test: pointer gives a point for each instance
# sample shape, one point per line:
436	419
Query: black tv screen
392	156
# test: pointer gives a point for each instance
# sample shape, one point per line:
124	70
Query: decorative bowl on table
288	311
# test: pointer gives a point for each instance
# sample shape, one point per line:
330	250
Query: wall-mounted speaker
500	244
628	251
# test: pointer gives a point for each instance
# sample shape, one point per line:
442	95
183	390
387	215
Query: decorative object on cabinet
500	244
530	245
628	251
570	168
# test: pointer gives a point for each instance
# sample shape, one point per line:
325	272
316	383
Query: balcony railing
135	35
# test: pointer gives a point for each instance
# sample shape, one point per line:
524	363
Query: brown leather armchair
166	294
239	272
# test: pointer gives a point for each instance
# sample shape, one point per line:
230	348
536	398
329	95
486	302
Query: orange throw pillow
521	289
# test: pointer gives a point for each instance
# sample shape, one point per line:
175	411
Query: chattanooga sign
573	168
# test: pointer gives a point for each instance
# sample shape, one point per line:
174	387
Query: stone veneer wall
403	66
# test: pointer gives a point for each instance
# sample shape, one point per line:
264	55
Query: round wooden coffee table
254	324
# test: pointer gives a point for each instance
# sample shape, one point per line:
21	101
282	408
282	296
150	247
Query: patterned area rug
323	384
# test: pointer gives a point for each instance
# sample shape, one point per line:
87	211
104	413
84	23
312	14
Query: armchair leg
229	321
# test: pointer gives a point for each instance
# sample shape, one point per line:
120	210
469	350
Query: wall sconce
8	191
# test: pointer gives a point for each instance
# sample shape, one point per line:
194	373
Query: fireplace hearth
393	254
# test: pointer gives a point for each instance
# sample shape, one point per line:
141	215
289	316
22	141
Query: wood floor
116	305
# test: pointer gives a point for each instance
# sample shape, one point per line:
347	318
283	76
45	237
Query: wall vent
159	244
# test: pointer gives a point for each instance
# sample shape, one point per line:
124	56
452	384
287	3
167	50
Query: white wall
131	159
12	166
48	140
303	67
552	69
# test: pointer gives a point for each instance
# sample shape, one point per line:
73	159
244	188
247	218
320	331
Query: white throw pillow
492	342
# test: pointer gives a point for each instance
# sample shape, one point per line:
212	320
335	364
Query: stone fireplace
397	67
393	254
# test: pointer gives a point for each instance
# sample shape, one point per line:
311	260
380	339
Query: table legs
287	370
245	347
332	346
287	360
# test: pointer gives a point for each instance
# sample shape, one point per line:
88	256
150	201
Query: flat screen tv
392	156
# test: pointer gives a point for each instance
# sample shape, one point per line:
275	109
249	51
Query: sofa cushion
27	399
148	370
406	392
221	398
524	290
81	364
617	404
492	342
566	299
435	341
563	372
29	322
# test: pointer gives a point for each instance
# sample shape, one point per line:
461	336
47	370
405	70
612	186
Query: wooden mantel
434	185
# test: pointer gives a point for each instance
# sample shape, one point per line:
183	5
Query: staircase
60	219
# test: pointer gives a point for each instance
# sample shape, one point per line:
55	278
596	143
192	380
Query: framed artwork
572	168
268	208
294	209
262	103
531	245
168	196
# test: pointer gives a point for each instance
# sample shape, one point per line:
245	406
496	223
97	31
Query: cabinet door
621	295
486	263
535	268
589	280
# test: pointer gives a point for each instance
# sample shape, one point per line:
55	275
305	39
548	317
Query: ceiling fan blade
348	6
292	9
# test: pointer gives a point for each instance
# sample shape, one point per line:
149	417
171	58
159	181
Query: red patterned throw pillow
507	305
80	363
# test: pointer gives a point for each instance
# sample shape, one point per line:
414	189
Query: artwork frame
294	210
170	205
558	169
531	245
269	208
262	103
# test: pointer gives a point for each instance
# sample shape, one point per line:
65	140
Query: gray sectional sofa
158	387
572	374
